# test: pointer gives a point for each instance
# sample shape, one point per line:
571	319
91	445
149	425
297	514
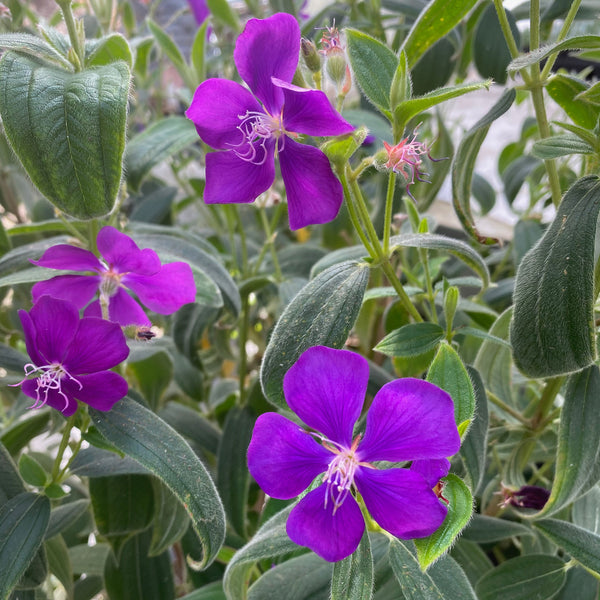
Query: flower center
256	128
111	281
50	378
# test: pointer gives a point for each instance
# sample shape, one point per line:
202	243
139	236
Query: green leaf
463	166
153	578
448	372
198	53
586	511
578	439
305	577
536	56
169	522
153	374
232	472
409	109
221	11
434	241
401	86
565	90
148	439
107	50
472	559
269	541
21	432
68	130
59	563
553	328
474	445
411	340
430	26
34	46
533	576
162	140
374	66
23	522
353	577
515	174
31	471
65	515
560	145
416	585
490	51
484	530
122	504
172	52
460	508
212	591
323	312
89	559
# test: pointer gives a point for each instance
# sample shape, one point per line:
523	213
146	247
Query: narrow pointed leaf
464	163
560	145
353	577
141	434
553	329
34	46
323	312
460	508
430	27
23	522
522	578
170	520
578	439
68	130
411	340
374	66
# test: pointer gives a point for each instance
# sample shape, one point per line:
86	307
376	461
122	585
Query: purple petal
97	345
432	470
101	390
314	194
29	331
55	322
167	291
332	536
70	258
283	458
216	109
121	252
310	112
65	404
268	48
408	420
122	309
326	389
231	179
401	501
78	289
200	10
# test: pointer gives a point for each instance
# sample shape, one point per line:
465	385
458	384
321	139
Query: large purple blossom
249	129
409	420
162	288
71	357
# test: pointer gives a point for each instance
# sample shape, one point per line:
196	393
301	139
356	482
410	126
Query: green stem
70	227
534	25
551	389
230	218
354	215
243	336
434	316
506	30
65	7
270	239
387	220
507	409
64	442
243	245
561	36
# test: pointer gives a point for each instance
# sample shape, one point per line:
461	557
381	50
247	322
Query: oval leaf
460	508
553	324
68	130
353	577
23	522
411	340
141	434
323	312
522	578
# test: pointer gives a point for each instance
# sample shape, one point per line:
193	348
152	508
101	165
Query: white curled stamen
257	128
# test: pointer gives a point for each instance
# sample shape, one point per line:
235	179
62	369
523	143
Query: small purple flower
409	419
249	129
162	288
71	357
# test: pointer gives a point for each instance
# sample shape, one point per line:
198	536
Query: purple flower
162	288
200	10
409	419
71	357
249	129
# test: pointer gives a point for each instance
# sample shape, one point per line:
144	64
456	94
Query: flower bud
310	54
336	65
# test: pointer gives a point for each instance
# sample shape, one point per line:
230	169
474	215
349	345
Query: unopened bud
312	58
347	81
139	332
528	496
336	65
